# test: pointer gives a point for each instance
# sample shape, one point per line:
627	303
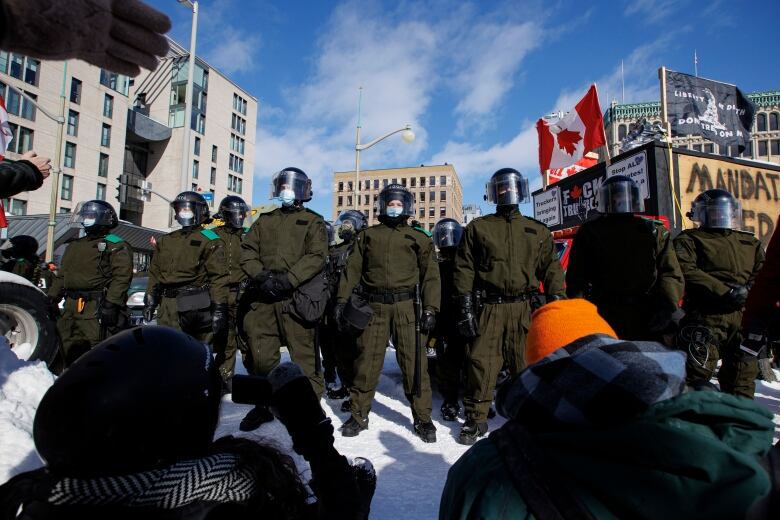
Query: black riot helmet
291	184
20	246
507	187
233	211
190	208
350	223
716	209
144	398
97	216
389	197
447	233
620	194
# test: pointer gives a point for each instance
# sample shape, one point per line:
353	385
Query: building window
115	81
213	179
23	139
413	182
103	165
349	200
773	121
66	193
431	211
709	148
422	212
339	200
15	206
28	109
422	196
196	149
14	103
236	163
748	152
24	68
349	186
403	182
395	181
238	124
239	104
376	184
194	186
442	211
100	194
341	186
761	122
234	183
367	184
105	136
697	148
365	199
213	153
422	182
75	91
775	146
442	195
73	123
108	106
64	210
762	148
433	196
199	123
70	155
195	169
211	201
443	180
432	180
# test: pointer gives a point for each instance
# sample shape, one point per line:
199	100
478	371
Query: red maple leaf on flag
575	192
567	140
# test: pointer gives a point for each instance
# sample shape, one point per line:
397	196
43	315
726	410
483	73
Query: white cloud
236	53
653	11
227	47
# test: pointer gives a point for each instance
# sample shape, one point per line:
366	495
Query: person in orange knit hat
559	323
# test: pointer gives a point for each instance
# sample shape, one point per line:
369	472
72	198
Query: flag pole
604	130
670	160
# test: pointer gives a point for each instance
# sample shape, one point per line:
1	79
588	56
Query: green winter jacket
692	456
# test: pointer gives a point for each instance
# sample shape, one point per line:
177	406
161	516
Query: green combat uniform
226	343
503	257
188	274
291	242
711	260
388	261
626	266
93	269
24	267
450	345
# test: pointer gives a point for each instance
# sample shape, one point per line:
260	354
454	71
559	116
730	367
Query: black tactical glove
338	316
427	322
467	323
219	318
109	314
736	297
265	283
150	304
662	319
282	285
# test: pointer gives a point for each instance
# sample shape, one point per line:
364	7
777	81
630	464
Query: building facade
764	140
437	192
470	212
118	128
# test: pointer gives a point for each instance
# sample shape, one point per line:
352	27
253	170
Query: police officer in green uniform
625	264
720	263
233	211
19	255
389	261
450	345
282	250
502	257
339	350
94	276
188	275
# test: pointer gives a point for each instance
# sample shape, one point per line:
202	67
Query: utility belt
494	298
173	291
84	295
387	296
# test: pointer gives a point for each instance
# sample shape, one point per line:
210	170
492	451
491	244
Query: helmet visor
91	214
508	188
447	234
719	213
620	197
187	212
396	198
291	182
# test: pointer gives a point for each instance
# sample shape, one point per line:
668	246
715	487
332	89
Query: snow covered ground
411	474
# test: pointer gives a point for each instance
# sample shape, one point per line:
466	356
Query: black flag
716	111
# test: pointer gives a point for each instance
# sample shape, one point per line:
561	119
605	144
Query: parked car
135	300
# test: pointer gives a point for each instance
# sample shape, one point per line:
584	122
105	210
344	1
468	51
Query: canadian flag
580	131
6	135
556	174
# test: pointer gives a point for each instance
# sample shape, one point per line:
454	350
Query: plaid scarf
595	380
215	478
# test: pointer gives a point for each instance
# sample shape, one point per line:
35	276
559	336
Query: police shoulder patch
209	234
114	239
423	231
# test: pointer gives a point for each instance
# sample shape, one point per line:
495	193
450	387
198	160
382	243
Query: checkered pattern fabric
215	478
596	380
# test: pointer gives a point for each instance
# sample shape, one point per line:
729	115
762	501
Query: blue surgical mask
393	212
287	197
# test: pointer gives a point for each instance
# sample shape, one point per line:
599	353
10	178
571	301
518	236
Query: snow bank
22	385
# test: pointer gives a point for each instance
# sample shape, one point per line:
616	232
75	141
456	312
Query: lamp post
188	91
406	134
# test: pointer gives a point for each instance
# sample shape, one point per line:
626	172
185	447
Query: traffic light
121	189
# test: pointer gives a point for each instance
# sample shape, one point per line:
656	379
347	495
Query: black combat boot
346	405
472	431
425	430
449	411
336	392
256	416
352	427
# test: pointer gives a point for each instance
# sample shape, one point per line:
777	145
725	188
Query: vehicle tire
26	309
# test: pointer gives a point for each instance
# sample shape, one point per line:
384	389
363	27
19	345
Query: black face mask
346	235
506	209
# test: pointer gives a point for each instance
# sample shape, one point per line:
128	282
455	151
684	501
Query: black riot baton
417	386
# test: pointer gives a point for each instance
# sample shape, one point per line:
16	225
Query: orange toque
559	323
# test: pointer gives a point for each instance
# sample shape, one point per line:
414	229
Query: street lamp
188	91
406	134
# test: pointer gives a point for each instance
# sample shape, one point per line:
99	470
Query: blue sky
471	77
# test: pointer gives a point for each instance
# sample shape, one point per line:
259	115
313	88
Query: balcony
143	129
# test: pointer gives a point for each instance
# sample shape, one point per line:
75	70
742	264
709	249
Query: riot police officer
283	250
94	276
338	349
19	255
188	276
390	264
719	262
233	212
502	257
625	265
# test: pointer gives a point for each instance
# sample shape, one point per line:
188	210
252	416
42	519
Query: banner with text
547	207
634	167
